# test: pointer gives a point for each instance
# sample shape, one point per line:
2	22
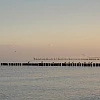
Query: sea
49	83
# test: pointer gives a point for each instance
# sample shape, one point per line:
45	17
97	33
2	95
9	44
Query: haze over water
49	28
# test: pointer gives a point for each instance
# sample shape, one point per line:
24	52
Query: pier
73	64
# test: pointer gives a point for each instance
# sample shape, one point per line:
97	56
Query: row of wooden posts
83	64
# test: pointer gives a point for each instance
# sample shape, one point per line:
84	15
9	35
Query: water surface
49	83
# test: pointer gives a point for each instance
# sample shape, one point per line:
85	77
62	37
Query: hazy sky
48	27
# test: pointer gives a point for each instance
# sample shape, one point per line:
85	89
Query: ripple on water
4	96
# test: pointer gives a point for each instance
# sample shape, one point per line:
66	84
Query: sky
49	28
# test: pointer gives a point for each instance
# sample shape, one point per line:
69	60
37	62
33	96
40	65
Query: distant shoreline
64	58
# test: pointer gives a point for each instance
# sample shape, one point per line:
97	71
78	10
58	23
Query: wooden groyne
78	64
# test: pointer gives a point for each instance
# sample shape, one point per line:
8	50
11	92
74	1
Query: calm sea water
49	83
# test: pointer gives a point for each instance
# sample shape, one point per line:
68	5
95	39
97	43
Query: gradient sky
49	28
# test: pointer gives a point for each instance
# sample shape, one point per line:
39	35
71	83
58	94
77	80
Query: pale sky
49	28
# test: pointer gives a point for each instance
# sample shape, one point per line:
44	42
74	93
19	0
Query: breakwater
77	64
